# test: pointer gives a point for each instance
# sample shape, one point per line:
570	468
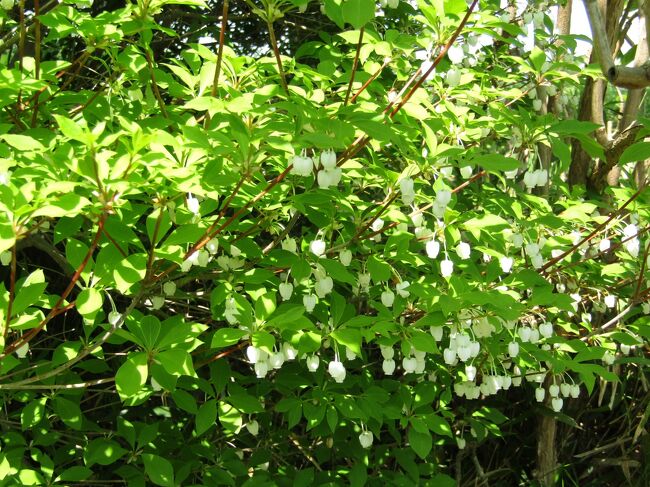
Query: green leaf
69	412
176	362
185	401
636	152
68	205
132	375
438	425
421	443
33	413
348	337
379	270
89	302
103	452
225	337
74	474
496	162
206	417
358	475
71	129
358	12
537	58
130	271
159	470
29	292
23	142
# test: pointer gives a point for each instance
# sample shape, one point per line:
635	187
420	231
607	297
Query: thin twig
354	66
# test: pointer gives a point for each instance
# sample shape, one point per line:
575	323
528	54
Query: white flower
610	301
345	256
202	258
302	166
461	443
337	370
453	77
290	353
565	389
554	390
456	54
290	245
157	302
387	352
261	369
524	333
409	364
443	197
537	261
349	354
604	245
286	290
327	178
408	192
575	391
540	392
463	250
364	281
557	403
530	179
328	159
114	317
169	288
630	231
466	172
5	258
309	301
537	105
253	354
449	356
402	287
517	240
253	427
546	329
433	248
470	372
436	332
608	358
446	268
317	247
531	249
192	204
388	366
388	298
276	360
506	263
212	246
513	349
21	352
366	438
633	247
324	286
312	363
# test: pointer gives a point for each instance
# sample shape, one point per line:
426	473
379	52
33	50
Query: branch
621	76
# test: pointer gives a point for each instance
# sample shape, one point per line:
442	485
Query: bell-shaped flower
366	439
345	256
212	246
556	404
388	366
433	248
302	165
289	244
463	250
466	172
337	370
312	363
540	393
324	286
506	264
446	268
328	159
388	298
317	247
309	302
402	287
286	290
253	427
409	364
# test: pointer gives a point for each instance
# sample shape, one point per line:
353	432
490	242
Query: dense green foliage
282	276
